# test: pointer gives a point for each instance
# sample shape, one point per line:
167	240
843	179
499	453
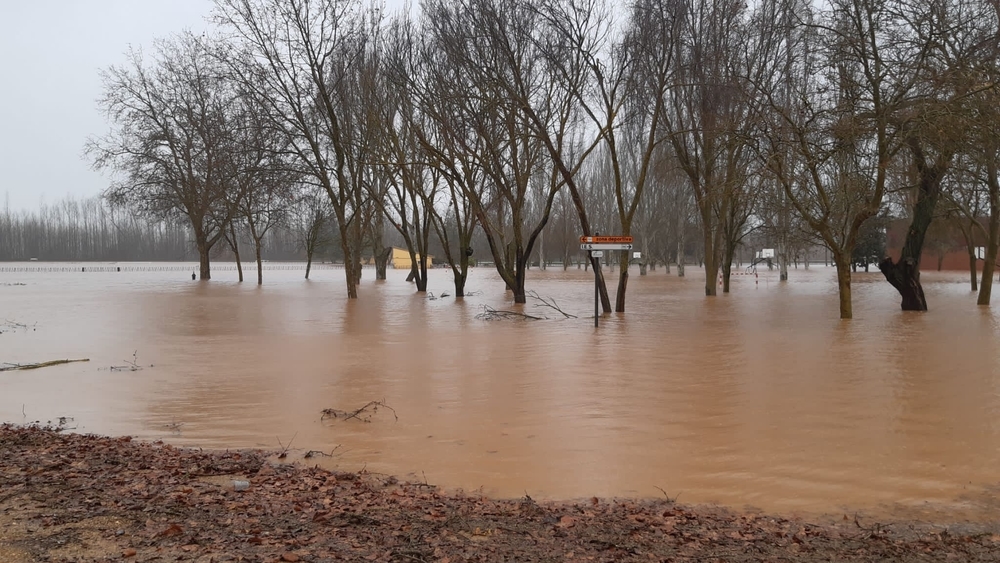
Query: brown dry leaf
289	557
128	553
566	522
173	530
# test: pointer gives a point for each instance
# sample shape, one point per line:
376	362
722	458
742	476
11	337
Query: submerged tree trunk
260	263
622	286
905	274
203	262
381	263
843	264
235	246
680	257
993	237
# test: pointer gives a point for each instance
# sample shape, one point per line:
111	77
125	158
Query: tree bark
622	285
843	264
381	262
203	262
260	264
992	245
905	274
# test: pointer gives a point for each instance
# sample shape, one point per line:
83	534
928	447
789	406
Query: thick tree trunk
843	263
422	278
309	261
203	262
905	274
381	262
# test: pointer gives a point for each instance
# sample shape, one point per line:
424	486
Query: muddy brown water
760	398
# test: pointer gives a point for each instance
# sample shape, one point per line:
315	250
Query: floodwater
760	398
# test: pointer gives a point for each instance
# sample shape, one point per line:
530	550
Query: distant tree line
511	127
91	229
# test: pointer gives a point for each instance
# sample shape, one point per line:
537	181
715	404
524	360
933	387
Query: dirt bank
69	497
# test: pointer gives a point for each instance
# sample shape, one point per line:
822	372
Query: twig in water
314	453
491	314
550	303
131	365
670	500
14	367
347	415
284	451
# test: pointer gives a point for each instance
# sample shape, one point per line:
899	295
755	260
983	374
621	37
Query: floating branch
314	453
132	365
15	367
9	326
363	414
550	303
491	314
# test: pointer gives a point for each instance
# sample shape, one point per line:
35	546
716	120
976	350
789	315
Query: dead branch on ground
550	303
491	314
15	367
367	414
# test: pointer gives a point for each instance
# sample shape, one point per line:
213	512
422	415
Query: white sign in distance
597	254
637	255
604	246
767	253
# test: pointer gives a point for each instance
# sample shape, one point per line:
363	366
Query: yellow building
400	259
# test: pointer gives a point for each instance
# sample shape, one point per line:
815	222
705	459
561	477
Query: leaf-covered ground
70	497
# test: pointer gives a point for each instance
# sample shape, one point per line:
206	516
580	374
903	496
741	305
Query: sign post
596	245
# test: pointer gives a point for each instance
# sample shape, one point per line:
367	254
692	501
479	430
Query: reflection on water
762	397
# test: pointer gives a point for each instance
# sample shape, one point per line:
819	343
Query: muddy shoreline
79	498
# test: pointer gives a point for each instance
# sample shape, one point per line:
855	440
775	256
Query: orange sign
606	240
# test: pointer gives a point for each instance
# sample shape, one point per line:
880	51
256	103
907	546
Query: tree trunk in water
422	278
622	286
381	262
239	263
680	257
309	262
642	268
905	274
990	260
973	271
842	261
203	264
783	262
260	264
711	264
602	286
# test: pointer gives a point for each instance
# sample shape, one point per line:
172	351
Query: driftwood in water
15	367
347	415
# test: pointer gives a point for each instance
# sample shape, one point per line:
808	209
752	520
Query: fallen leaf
566	522
289	557
173	530
128	553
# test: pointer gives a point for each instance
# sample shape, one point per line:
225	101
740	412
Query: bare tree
491	44
298	59
171	143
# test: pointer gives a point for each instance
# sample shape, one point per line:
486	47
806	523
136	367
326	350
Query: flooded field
760	398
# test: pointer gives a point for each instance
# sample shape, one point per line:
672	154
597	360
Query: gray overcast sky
50	55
